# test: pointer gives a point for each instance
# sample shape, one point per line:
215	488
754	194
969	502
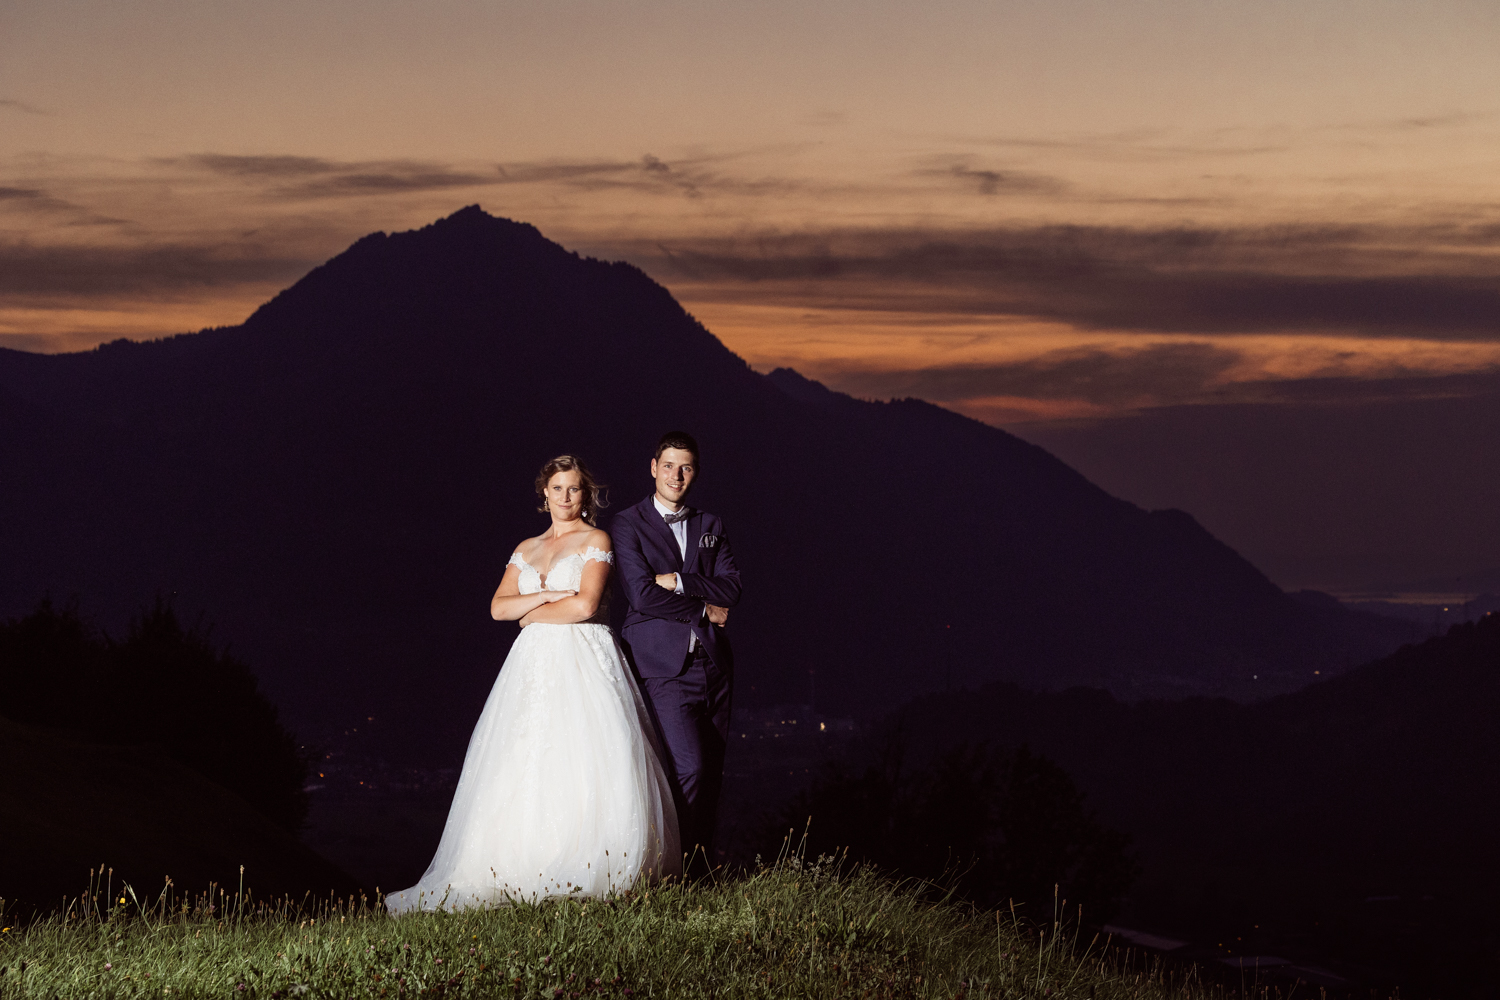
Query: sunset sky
1028	212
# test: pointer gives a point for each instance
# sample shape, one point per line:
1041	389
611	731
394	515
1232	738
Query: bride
562	790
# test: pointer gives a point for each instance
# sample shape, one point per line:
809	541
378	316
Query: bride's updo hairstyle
593	493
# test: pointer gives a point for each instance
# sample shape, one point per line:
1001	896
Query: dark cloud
398	180
825	119
1118	383
26	109
1414	123
1195	280
304	177
29	199
266	166
1435	121
1394	387
1136	145
1151	375
541	173
30	272
298	178
992	182
651	175
50	343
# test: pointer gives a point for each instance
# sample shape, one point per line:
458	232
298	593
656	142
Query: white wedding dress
562	790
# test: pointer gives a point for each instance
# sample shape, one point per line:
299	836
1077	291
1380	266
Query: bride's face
565	496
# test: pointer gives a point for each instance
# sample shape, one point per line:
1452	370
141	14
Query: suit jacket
659	622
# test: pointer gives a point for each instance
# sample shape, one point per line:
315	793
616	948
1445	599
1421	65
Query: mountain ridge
337	482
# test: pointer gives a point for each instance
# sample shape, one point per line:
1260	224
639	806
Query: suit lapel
694	524
657	526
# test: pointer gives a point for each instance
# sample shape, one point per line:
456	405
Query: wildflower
122	900
438	960
107	966
240	987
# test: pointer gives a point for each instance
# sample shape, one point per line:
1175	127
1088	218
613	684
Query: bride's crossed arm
554	607
580	606
509	603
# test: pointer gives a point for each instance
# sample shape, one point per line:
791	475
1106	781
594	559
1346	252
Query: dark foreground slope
67	806
1355	818
339	481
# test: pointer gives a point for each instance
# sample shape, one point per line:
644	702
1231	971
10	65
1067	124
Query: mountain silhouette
338	482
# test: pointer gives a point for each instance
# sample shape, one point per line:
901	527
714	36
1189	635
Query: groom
680	580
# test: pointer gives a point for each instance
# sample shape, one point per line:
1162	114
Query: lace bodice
566	574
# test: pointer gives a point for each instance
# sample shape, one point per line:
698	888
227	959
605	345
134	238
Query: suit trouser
691	712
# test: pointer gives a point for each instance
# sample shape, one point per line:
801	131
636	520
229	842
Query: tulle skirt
562	790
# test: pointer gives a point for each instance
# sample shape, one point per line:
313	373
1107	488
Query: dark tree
1047	837
1006	826
163	686
52	667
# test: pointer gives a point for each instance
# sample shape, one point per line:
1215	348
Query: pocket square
708	541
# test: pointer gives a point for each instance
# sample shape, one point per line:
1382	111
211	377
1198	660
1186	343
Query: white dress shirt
679	532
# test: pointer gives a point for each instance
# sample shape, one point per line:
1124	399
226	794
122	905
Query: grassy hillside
790	930
67	807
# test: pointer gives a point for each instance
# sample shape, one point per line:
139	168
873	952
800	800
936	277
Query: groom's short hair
681	440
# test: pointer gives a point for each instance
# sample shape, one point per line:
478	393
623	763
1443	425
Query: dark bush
163	686
1006	826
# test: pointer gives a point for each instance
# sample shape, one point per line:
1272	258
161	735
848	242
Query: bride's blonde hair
593	493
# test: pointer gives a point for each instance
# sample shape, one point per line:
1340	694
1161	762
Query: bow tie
681	515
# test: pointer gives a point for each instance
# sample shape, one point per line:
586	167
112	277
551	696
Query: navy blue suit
688	694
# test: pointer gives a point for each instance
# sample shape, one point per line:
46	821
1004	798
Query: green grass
791	929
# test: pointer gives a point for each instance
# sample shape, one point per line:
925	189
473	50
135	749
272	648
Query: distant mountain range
338	481
1353	819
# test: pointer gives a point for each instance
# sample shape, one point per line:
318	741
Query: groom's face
674	472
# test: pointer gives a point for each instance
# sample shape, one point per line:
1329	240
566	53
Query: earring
544	504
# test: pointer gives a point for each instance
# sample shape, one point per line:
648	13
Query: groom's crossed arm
721	584
639	581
